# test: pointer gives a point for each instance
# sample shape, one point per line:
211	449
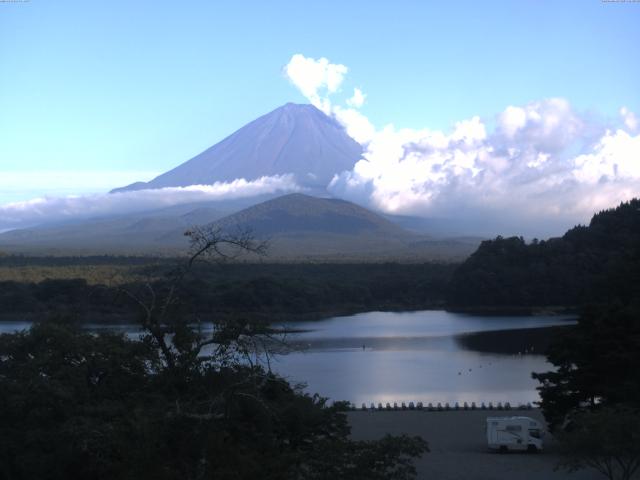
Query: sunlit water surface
402	357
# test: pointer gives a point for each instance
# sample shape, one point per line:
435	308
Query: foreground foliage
595	364
174	404
592	400
77	405
606	439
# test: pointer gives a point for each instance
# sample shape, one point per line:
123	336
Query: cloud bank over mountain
541	168
533	169
51	209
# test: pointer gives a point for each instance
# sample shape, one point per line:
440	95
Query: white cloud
316	79
355	123
536	173
512	120
629	118
358	98
38	210
615	157
549	125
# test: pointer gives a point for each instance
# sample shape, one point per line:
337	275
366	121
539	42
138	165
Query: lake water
407	356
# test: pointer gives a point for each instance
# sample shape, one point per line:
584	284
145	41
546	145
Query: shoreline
515	310
513	341
275	317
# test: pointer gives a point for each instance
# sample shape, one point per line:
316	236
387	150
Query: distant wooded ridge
272	291
596	263
298	228
589	264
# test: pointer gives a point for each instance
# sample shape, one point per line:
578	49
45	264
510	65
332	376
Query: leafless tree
176	341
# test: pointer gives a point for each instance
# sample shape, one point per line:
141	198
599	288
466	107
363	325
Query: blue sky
143	85
126	89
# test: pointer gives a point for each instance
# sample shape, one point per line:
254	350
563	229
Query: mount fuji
292	139
296	140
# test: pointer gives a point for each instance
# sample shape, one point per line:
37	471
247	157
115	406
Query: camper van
514	434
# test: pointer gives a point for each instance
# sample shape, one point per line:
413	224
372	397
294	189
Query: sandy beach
458	445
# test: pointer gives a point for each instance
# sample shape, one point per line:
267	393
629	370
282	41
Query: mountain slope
588	264
297	213
298	227
135	233
302	227
292	139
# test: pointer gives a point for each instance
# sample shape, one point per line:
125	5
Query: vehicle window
535	433
513	428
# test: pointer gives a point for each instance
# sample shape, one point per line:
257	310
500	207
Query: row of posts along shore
439	407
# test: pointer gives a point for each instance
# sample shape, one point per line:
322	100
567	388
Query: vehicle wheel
532	449
503	449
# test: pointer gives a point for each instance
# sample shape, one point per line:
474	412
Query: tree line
264	289
588	264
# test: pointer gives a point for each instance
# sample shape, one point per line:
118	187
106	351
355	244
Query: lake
408	356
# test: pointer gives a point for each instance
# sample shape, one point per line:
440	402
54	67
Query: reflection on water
412	356
406	356
429	323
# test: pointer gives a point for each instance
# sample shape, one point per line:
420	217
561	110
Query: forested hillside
595	263
272	290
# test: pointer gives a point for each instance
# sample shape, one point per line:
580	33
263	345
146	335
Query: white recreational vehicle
514	433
